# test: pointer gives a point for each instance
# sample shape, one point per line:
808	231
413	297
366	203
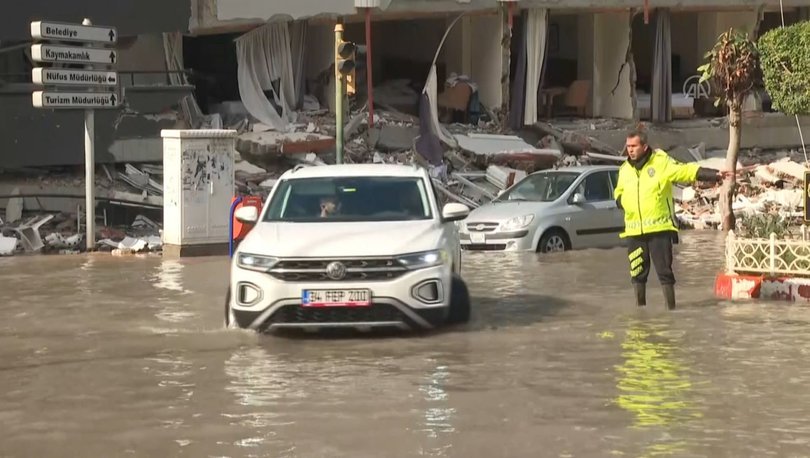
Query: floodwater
104	356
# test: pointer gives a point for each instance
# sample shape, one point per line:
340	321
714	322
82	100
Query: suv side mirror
455	212
577	198
247	214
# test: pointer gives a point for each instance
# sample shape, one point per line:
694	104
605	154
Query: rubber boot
641	294
669	296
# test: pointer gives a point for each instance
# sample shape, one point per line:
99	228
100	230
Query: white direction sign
73	32
45	76
44	99
73	54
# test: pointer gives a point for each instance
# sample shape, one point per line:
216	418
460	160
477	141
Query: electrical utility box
198	186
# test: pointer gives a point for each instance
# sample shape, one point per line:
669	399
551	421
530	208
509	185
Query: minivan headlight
255	262
518	222
424	259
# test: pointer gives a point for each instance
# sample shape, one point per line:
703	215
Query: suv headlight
255	262
424	259
518	222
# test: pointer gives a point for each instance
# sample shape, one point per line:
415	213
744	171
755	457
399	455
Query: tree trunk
729	185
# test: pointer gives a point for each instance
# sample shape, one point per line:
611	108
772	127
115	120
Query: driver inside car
330	205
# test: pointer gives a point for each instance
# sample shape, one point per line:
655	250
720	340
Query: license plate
336	297
478	237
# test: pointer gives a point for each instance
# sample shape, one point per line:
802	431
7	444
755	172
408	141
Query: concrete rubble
473	160
765	185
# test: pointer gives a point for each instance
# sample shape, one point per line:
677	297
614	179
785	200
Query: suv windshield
540	187
350	199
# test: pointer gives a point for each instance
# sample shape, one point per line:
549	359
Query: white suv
357	246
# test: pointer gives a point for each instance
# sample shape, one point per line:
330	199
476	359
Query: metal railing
771	256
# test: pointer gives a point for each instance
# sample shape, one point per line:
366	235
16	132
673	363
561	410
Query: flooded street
105	356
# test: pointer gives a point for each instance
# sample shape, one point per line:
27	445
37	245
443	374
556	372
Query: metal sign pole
90	170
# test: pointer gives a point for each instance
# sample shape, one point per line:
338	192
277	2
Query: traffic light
346	65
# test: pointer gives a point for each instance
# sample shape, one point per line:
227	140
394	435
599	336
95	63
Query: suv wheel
553	241
459	302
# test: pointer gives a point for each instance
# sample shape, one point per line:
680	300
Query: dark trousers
656	247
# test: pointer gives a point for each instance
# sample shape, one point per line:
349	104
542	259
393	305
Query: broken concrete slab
393	138
8	245
14	207
277	143
787	169
491	149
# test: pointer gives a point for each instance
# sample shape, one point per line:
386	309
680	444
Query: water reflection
173	309
438	415
654	383
263	387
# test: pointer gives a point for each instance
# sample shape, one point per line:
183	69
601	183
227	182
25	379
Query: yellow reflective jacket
645	194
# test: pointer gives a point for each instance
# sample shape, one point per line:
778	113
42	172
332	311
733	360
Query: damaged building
482	91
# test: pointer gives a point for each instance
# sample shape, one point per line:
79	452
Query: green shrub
760	226
785	61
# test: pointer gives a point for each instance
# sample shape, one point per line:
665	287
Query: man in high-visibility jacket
644	192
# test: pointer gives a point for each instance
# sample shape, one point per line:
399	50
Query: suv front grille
297	314
357	269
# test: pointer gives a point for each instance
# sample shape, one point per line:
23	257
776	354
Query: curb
736	286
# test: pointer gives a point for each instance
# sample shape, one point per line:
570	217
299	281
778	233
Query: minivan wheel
459	302
553	241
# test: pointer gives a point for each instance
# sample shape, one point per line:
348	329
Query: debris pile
774	187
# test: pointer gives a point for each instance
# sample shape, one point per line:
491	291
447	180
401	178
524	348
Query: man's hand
723	174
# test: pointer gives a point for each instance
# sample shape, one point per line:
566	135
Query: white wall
711	25
611	38
265	9
486	58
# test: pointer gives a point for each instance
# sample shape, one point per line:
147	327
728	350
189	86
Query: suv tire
459	302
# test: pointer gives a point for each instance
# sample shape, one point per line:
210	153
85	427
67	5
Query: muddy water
104	356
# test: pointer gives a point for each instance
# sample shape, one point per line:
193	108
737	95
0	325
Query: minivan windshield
349	199
540	187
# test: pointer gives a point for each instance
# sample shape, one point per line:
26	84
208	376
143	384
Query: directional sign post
89	50
73	54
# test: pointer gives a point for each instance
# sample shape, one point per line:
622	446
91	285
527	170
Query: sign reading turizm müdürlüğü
75	99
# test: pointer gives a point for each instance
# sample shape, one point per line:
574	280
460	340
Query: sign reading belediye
42	30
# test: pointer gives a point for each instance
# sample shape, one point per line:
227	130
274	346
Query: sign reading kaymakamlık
47	76
73	54
44	99
42	30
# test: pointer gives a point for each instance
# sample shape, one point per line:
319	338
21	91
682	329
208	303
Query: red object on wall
240	229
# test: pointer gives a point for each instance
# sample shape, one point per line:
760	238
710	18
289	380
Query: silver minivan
547	211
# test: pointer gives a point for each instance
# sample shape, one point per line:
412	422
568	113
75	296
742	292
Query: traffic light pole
338	98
